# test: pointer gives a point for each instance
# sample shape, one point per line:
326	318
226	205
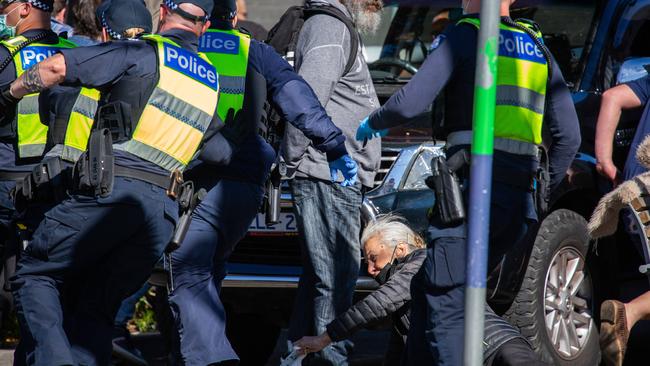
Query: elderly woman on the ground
394	254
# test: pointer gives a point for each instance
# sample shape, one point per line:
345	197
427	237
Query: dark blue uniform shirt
451	65
7	76
103	65
640	87
299	105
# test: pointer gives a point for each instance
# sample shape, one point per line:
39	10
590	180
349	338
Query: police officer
249	72
98	246
27	38
25	28
524	100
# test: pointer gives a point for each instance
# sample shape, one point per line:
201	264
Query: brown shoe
613	332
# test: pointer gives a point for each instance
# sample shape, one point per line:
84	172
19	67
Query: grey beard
367	22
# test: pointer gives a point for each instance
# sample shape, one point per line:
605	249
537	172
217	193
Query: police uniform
525	98
249	71
22	131
92	251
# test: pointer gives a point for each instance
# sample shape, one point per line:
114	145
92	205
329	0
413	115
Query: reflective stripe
179	110
232	84
140	149
28	105
520	97
80	123
86	103
501	144
31	151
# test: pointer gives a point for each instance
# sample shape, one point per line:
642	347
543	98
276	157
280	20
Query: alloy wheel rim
567	299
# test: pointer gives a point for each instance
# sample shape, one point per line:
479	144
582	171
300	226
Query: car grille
388	157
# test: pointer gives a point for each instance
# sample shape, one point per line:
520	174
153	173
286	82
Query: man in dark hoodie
395	254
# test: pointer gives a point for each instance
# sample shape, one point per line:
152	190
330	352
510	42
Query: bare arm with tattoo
41	76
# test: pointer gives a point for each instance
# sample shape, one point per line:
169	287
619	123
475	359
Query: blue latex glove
347	166
366	132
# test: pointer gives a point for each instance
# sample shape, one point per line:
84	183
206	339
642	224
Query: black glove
6	99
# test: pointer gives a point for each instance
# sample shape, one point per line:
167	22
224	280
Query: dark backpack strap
354	35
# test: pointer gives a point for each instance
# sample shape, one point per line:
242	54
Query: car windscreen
409	27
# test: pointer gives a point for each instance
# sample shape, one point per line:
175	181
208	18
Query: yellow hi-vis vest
521	85
228	52
180	109
31	133
80	123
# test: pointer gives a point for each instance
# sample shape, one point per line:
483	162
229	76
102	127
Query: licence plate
286	225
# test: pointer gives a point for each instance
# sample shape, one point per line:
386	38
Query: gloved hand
347	166
366	132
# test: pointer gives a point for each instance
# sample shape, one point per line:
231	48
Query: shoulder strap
354	35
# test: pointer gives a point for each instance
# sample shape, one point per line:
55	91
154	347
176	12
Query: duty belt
172	184
506	145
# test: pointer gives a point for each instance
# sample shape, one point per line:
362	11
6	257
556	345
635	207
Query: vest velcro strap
506	145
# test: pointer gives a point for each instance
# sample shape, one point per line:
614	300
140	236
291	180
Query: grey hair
391	229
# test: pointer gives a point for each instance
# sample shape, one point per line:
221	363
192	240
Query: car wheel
555	305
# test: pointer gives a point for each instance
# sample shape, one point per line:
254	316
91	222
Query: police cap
225	9
44	5
119	15
205	5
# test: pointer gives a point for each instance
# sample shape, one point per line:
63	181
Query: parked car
551	287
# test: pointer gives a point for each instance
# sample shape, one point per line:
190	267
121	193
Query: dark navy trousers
6	209
438	289
219	222
86	256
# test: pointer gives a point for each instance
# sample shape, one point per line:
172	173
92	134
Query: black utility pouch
447	188
94	171
542	191
116	117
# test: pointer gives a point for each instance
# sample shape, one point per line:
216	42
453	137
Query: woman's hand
313	344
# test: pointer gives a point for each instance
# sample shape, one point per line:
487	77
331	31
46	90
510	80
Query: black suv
552	287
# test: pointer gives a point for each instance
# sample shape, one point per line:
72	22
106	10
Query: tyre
555	305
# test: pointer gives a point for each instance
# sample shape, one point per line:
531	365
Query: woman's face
378	255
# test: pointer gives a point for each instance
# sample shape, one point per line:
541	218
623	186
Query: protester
328	214
87	29
394	254
619	318
59	16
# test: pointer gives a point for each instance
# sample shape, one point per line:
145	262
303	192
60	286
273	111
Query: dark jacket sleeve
381	303
416	96
297	102
562	122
